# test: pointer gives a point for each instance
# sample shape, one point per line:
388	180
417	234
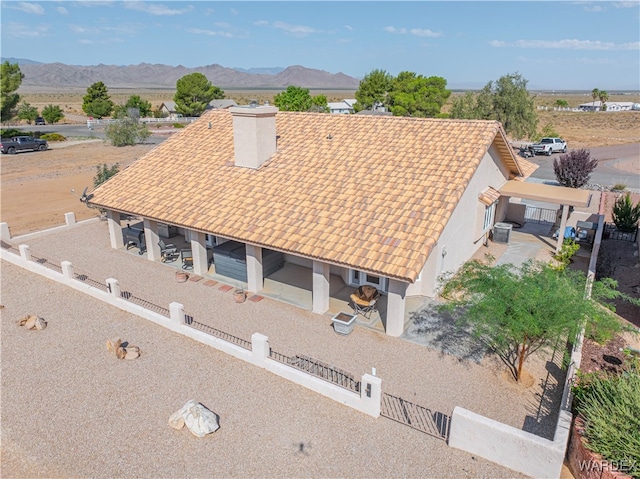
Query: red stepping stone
225	288
255	298
195	278
210	282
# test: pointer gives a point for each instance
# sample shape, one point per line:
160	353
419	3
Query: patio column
115	229
563	225
151	239
255	272
199	251
321	282
396	307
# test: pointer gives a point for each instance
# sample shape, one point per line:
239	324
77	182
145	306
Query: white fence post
25	252
114	287
259	348
67	269
5	234
70	218
176	311
371	394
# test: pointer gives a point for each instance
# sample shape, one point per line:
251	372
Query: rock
132	352
120	352
30	323
40	324
114	344
198	419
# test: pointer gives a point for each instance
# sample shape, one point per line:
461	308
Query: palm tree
595	93
603	96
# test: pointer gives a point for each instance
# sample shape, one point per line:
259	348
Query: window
359	278
489	216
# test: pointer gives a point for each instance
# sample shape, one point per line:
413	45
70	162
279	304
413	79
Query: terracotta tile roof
489	196
365	192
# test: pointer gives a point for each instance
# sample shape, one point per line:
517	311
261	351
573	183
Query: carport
560	195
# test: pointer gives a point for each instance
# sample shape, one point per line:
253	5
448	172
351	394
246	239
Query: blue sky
554	45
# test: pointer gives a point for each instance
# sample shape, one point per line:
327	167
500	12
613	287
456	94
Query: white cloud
395	30
31	8
419	32
155	8
295	30
210	33
594	9
261	23
567	44
93	3
348	27
62	10
119	29
18	30
234	11
425	33
625	4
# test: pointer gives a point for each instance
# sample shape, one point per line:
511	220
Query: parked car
22	143
40	121
548	146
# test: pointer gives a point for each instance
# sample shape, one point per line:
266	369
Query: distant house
221	104
342	107
611	106
168	110
342	200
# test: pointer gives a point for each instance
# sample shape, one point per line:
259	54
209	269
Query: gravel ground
69	408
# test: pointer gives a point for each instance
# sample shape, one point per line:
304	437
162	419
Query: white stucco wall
462	235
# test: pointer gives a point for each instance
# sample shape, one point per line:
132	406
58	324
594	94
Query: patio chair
168	252
187	258
364	302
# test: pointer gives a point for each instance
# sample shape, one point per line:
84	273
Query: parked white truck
548	146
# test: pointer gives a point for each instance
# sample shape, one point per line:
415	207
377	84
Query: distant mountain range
145	75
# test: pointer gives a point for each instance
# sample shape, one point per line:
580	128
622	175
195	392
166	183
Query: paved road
610	161
80	130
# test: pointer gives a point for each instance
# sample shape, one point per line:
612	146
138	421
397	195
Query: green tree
517	311
96	102
294	98
562	103
193	94
505	100
319	104
603	96
126	132
27	112
464	106
373	90
10	80
595	93
143	106
513	106
105	172
52	114
625	214
417	96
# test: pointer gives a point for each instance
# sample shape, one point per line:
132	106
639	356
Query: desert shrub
11	132
179	125
610	406
574	169
625	214
619	187
126	132
53	137
567	251
105	172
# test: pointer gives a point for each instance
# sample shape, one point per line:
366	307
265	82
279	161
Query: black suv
40	121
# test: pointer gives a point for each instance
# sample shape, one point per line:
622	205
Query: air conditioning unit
502	232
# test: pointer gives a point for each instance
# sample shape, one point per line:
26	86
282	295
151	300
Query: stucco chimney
254	134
